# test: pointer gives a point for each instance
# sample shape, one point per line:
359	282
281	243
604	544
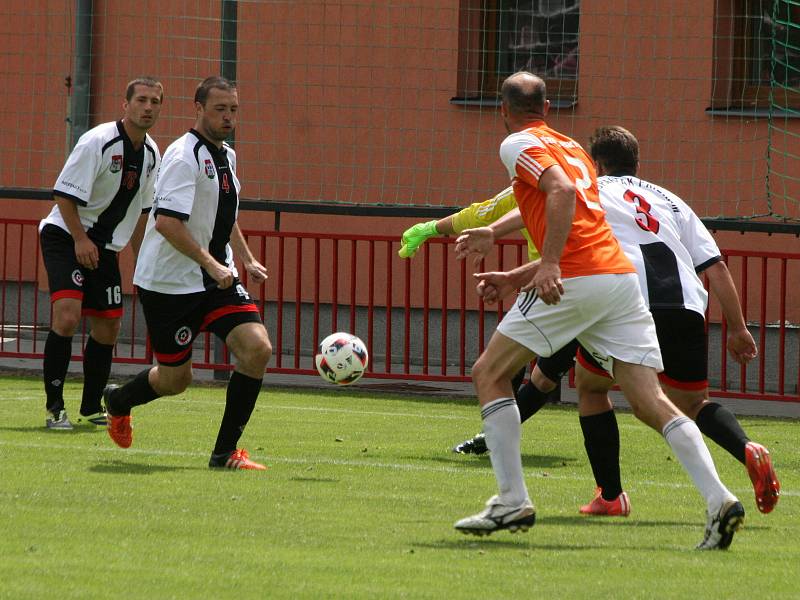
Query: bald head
524	96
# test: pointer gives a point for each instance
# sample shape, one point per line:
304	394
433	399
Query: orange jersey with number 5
591	247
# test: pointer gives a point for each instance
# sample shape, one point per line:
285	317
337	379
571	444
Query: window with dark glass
757	54
501	37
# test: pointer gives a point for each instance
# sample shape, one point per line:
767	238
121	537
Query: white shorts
606	313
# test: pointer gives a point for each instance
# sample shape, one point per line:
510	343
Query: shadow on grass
585	520
314	479
55	432
427	393
530	461
131	468
476	543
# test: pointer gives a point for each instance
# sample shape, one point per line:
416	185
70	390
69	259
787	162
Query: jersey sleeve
481	214
175	190
525	157
696	238
76	179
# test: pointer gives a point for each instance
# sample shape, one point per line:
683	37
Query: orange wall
350	102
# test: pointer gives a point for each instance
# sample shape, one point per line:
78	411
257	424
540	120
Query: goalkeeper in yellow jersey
546	376
479	214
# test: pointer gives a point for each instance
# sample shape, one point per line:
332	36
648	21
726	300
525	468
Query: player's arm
176	233
415	236
73	188
85	249
254	269
559	212
740	342
480	240
138	235
496	285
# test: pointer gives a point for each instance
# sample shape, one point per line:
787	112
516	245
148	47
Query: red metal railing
419	318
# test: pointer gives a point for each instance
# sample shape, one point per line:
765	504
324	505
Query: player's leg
516	341
725	513
624	340
173	321
491	375
57	354
65	277
721	425
532	395
248	341
102	304
683	342
97	357
601	439
545	376
477	443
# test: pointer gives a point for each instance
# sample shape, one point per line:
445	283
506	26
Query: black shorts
682	338
555	366
99	290
174	320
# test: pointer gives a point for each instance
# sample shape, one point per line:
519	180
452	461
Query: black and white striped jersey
663	237
111	183
197	184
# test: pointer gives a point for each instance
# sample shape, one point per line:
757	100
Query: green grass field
359	502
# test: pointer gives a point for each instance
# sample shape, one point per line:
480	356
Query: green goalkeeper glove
415	236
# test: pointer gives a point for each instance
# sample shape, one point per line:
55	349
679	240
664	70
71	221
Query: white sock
502	428
687	443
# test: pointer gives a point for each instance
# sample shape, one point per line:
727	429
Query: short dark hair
215	81
524	94
148	81
616	148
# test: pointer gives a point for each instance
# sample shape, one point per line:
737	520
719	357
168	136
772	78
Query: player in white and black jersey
669	246
102	196
187	280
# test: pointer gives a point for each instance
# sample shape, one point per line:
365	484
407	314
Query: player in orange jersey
585	288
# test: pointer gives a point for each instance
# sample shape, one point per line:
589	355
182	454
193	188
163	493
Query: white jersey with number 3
663	238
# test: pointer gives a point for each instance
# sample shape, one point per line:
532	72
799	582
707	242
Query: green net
783	182
395	103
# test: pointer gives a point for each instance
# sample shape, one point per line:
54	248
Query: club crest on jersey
183	336
116	163
77	277
210	171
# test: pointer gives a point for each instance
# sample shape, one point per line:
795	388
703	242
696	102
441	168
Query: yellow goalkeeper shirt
487	212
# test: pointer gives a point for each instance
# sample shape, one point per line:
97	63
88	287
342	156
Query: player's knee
174	382
106	332
480	371
66	322
261	353
689	403
542	382
254	357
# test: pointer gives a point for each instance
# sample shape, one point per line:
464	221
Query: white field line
365	464
264	403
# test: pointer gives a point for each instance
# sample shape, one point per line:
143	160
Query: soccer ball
342	358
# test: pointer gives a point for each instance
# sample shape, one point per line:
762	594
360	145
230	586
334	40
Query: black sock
57	353
529	400
96	368
134	393
240	401
601	439
720	424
